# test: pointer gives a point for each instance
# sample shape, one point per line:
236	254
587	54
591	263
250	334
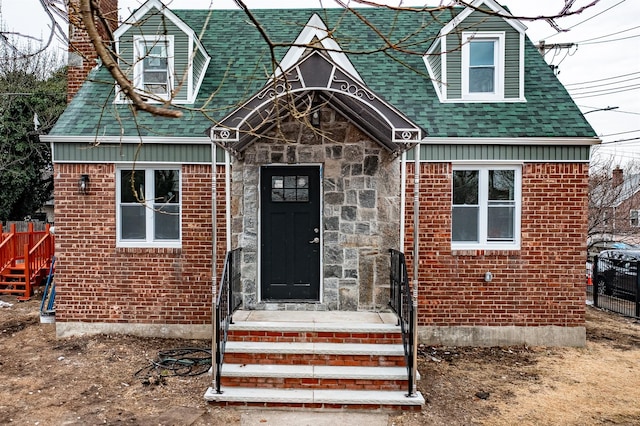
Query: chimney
82	55
617	177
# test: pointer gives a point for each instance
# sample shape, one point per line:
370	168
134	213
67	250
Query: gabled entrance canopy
315	81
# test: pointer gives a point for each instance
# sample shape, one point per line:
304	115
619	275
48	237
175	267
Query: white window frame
483	204
149	241
138	69
498	38
634	216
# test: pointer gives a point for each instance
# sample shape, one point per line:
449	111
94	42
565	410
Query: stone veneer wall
360	210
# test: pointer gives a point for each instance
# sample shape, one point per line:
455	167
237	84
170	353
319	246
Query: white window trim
499	60
631	217
482	243
139	64
149	242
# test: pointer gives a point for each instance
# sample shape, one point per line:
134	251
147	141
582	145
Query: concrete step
314	332
317	398
314	377
346	354
316	360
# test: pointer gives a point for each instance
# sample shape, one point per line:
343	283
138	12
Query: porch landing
315	359
338	318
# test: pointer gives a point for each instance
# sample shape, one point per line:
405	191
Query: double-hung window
634	217
486	207
149	207
154	64
483	66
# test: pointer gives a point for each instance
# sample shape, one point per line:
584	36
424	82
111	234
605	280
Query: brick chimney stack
618	177
82	55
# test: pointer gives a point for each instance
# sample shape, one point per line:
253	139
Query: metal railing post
594	277
637	298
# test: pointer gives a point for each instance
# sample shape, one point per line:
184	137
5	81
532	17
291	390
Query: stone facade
360	210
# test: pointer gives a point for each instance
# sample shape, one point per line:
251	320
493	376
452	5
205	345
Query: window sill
149	249
484	252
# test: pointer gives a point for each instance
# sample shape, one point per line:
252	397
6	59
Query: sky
601	69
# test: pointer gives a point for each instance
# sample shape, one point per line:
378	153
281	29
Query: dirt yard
90	380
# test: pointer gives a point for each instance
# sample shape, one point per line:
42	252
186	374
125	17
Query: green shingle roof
240	65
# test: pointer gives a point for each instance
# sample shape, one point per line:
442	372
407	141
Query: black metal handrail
401	303
229	300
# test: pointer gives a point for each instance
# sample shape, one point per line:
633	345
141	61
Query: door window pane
290	188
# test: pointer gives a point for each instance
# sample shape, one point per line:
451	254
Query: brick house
312	167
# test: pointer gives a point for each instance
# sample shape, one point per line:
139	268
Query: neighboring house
614	211
313	174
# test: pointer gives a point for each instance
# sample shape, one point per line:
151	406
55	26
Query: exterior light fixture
83	184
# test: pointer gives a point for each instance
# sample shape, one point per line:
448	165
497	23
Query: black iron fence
229	300
613	283
401	303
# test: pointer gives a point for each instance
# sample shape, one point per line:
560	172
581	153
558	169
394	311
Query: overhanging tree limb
87	11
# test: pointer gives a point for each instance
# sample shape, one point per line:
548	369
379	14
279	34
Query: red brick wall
97	282
541	284
80	45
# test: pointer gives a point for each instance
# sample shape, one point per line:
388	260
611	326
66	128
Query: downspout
214	288
416	256
227	191
403	197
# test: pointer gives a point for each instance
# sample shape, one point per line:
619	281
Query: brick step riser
315	359
313	383
375	407
314	337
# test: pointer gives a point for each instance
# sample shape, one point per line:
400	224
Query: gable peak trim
476	4
138	14
315	33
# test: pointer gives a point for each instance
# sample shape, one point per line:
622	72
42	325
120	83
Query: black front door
290	238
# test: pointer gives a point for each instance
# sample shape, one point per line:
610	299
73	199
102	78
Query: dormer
478	56
161	55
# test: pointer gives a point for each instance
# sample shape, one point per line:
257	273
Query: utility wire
585	92
586	20
603	79
608	35
585	95
603	84
619	133
607	41
612	110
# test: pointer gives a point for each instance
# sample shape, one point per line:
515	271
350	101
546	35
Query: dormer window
154	64
483	66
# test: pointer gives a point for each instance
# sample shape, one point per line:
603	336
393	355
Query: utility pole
543	47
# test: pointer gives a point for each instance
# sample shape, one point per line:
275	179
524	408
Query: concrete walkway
311	418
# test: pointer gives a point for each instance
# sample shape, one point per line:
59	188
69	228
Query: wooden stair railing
24	259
